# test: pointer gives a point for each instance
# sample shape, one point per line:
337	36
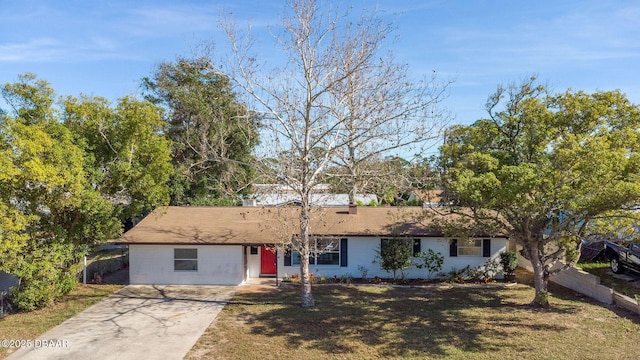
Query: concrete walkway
137	322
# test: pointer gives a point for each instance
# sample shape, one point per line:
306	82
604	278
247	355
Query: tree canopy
212	133
62	169
44	196
126	155
549	165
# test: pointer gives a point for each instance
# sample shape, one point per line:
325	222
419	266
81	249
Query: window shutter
416	247
383	244
453	248
343	252
287	257
486	247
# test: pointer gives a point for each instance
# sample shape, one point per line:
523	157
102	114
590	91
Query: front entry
267	260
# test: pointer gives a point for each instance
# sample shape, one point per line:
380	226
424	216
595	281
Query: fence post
84	270
2	295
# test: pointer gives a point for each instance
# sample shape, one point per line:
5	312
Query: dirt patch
256	289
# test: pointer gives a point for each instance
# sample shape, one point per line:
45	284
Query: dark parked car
623	257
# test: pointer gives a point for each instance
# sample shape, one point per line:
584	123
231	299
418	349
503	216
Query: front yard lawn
457	322
30	325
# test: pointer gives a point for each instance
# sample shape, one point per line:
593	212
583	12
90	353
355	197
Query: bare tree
383	110
309	104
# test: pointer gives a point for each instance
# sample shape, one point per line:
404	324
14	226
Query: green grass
593	265
443	322
607	279
30	325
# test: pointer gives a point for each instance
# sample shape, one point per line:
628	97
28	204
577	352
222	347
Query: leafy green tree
213	133
126	154
45	198
546	166
13	222
62	171
394	255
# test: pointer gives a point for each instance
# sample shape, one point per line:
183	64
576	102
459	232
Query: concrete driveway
138	322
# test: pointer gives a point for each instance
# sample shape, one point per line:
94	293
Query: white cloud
36	50
49	50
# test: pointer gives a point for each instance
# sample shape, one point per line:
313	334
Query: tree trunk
353	176
306	297
540	278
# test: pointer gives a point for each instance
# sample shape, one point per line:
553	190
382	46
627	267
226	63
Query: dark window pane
191	265
185	253
332	258
453	248
416	247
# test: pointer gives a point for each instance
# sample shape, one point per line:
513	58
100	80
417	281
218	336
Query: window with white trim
185	259
469	247
324	251
327	251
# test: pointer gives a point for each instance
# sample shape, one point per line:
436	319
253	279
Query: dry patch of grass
30	325
467	322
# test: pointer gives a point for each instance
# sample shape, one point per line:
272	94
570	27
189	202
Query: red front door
267	260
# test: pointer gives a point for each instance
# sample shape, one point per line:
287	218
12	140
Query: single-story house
228	245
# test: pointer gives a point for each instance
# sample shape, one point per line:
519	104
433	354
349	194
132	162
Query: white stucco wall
224	264
362	251
253	263
217	265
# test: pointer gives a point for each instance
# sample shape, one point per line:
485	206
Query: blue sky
103	48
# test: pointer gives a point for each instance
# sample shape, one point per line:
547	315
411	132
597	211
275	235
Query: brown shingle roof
253	225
